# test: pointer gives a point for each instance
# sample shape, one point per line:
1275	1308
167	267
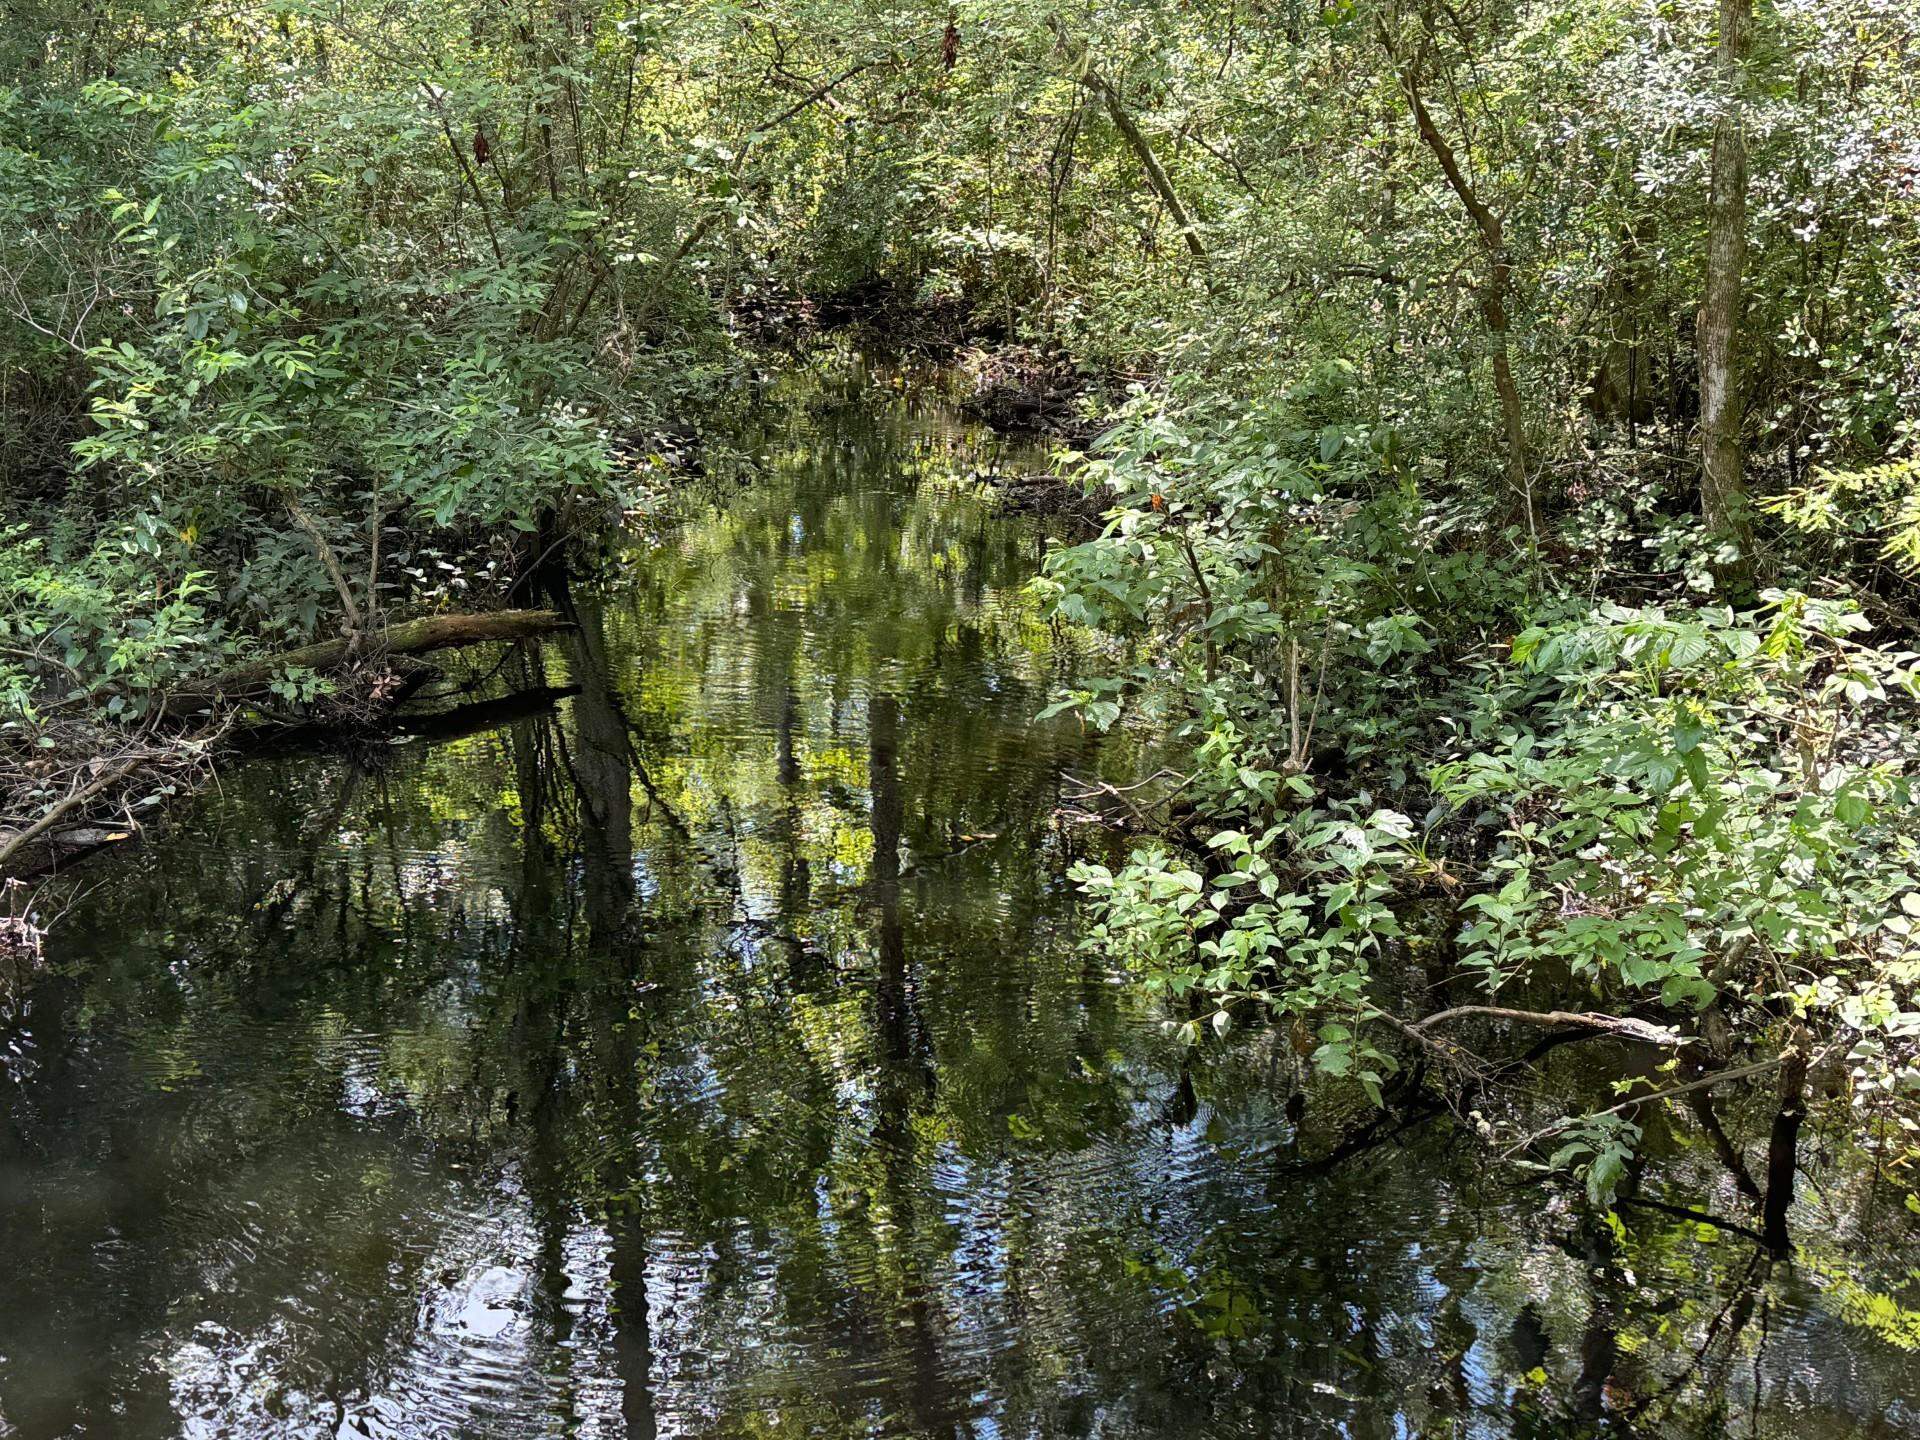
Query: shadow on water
700	1048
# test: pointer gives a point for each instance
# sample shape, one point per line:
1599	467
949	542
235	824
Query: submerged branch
1699	1217
1705	1082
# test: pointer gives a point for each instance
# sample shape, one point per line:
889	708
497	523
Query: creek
706	1051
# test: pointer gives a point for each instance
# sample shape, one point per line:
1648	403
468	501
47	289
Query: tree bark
1626	1027
411	637
349	607
1723	498
1783	1147
1149	162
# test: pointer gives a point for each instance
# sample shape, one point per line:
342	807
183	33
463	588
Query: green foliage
1864	516
1292	918
1658	809
1637	791
1688	784
1599	1151
322	309
297	280
112	624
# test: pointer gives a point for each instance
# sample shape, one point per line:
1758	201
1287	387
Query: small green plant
297	685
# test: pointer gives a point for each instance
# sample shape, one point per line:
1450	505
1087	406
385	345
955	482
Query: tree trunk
1723	498
1149	162
1493	293
1622	385
412	637
1783	1147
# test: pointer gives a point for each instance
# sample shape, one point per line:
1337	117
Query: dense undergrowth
1508	702
1429	785
1509	411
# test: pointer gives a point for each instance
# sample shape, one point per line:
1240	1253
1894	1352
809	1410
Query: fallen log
410	637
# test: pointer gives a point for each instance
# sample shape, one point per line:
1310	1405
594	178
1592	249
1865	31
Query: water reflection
698	1048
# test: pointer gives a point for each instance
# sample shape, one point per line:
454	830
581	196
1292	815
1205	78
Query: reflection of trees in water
724	1021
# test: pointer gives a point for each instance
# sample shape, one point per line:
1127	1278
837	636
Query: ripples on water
710	1057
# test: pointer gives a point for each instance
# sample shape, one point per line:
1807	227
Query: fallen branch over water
55	796
410	637
89	775
59	811
1625	1026
1570	1023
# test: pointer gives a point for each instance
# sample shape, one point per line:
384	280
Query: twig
1744	1072
1623	1025
100	784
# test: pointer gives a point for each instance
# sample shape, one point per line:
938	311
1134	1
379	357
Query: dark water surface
709	1055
